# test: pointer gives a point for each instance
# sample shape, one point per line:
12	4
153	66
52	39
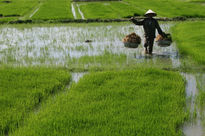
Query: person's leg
146	44
151	42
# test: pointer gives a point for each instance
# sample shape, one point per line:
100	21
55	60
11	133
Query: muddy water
77	76
194	127
55	45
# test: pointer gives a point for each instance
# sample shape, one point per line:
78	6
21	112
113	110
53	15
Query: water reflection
77	76
194	127
54	45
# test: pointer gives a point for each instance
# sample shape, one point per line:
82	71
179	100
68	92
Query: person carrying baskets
150	25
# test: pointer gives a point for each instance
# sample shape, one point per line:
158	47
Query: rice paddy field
190	37
64	45
11	10
79	78
53	9
110	103
52	79
17	7
23	89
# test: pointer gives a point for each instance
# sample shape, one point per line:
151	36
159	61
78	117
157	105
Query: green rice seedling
196	0
22	89
80	48
98	10
201	89
112	61
7	19
201	97
62	9
16	7
76	10
54	9
170	8
100	62
109	10
146	102
190	40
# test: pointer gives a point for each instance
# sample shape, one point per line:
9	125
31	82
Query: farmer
150	25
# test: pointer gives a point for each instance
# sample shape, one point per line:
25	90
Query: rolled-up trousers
149	44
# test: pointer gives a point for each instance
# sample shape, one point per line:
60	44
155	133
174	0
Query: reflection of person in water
150	25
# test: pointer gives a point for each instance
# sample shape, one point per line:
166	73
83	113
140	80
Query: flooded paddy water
77	76
56	45
195	126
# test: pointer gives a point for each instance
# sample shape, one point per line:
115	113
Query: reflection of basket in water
164	42
131	45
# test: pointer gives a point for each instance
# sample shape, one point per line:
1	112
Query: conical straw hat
151	12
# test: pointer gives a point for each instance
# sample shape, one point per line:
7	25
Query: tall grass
22	89
190	39
144	102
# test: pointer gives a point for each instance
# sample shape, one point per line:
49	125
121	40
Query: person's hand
164	35
132	18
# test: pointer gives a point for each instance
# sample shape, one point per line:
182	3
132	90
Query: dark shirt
150	25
